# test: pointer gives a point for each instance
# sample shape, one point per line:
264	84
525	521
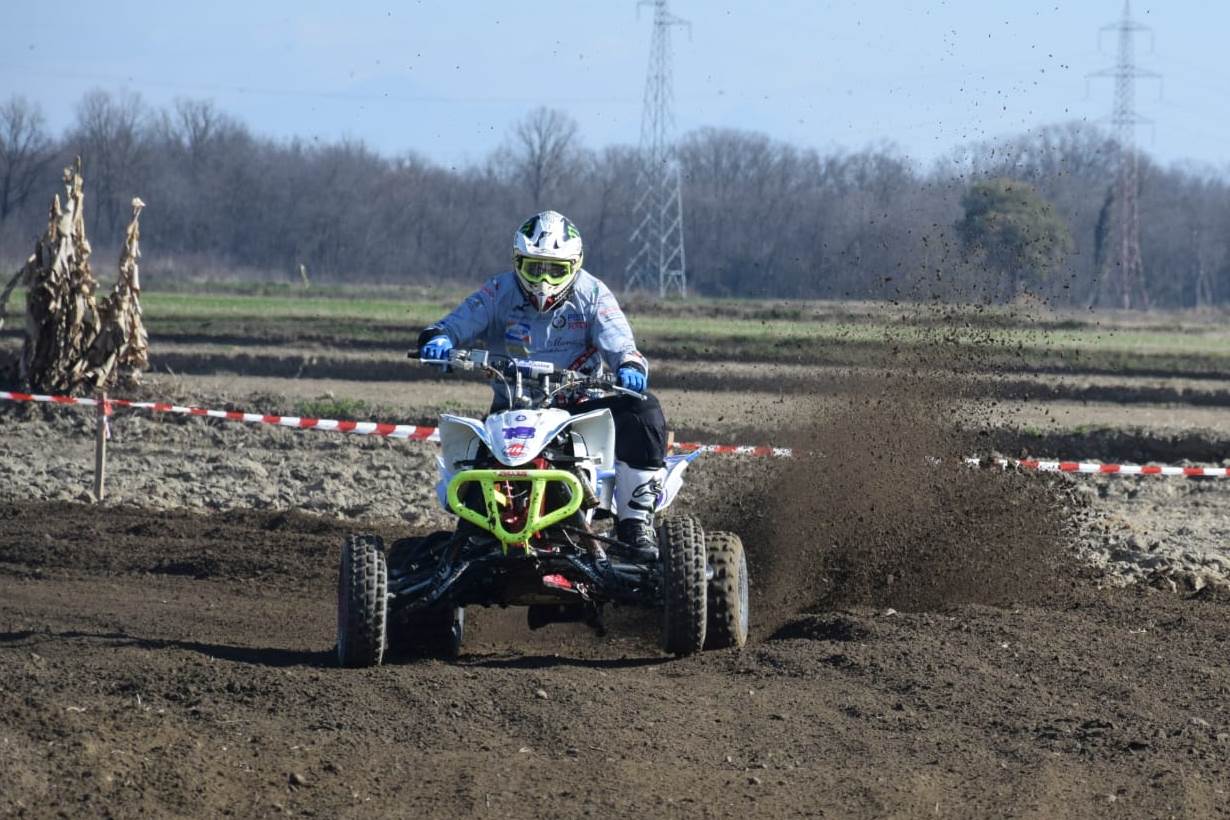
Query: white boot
637	493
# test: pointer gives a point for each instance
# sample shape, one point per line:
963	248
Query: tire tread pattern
362	602
682	544
726	555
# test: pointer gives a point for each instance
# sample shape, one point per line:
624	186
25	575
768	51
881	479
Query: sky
446	79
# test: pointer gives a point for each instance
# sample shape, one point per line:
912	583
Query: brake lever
444	364
627	392
609	384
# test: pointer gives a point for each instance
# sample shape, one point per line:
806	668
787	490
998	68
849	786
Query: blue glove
437	349
632	379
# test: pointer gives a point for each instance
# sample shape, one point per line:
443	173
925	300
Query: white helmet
547	255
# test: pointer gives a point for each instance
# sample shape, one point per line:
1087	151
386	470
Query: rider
551	309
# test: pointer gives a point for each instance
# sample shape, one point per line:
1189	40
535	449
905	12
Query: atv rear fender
675	468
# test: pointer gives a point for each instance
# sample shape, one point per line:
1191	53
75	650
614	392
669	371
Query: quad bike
533	488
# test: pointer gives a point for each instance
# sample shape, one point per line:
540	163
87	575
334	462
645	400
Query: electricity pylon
1122	274
658	259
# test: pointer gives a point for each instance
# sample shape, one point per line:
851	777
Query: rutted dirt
179	663
928	640
1006	379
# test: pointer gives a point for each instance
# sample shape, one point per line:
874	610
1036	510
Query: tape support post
411	432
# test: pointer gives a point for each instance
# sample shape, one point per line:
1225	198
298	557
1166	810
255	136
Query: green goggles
551	271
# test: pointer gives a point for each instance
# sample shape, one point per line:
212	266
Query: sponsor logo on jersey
516	331
572	321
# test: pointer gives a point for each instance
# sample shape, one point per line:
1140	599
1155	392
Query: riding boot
639	540
637	493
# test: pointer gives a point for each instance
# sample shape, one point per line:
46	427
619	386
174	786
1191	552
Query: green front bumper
494	501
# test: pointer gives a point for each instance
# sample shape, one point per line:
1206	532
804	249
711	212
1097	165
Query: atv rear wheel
728	591
362	601
681	543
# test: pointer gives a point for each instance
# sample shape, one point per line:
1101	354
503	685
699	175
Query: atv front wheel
362	601
728	612
681	543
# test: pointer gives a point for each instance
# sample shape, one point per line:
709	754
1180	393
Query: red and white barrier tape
412	432
732	449
1093	468
362	428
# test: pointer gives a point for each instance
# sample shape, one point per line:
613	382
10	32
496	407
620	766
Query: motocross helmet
547	256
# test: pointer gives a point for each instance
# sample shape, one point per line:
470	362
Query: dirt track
175	663
170	652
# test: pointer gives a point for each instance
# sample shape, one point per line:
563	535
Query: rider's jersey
586	330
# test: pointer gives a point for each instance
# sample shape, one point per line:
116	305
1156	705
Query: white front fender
460	439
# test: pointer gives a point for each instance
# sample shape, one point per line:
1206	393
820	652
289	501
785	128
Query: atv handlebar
512	371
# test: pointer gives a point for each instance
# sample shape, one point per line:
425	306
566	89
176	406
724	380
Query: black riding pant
640	429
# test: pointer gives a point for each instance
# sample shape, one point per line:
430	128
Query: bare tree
197	129
109	136
605	194
543	153
764	218
25	150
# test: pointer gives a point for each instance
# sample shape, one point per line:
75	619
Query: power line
267	91
658	258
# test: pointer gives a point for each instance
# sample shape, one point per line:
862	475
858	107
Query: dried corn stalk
71	343
120	351
61	319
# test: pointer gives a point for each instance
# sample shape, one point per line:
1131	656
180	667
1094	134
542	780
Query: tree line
763	218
